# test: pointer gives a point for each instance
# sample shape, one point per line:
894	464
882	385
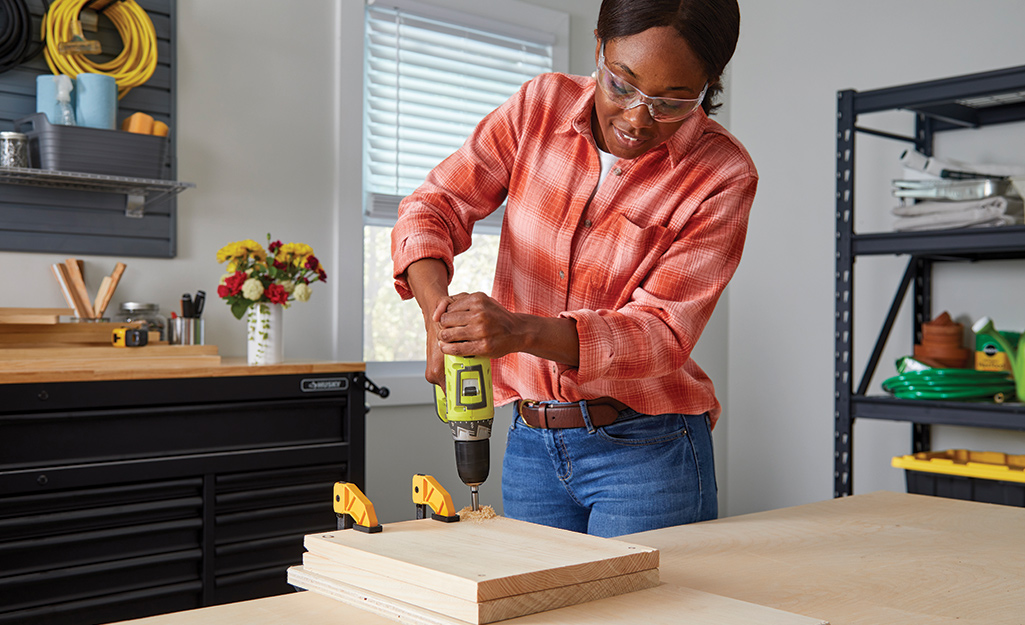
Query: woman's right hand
435	372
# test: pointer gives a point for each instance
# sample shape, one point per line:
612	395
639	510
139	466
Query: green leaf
239	307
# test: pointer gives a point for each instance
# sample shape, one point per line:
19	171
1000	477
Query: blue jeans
641	473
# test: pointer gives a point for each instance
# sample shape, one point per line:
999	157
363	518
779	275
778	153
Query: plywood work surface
482	561
876	559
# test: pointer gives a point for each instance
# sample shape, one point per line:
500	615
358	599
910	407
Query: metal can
13	149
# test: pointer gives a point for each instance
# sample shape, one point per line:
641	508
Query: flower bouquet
281	274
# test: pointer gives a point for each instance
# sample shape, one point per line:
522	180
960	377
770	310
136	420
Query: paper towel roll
46	98
96	101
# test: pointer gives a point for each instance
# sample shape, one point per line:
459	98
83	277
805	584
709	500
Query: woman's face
659	63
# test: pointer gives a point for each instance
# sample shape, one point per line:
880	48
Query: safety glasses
626	96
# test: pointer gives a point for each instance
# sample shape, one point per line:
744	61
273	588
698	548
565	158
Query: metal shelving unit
960	102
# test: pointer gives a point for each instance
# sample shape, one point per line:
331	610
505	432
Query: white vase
266	335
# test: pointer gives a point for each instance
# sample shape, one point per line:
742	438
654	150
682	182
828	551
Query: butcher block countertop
228	367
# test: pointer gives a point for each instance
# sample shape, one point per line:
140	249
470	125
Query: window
430	76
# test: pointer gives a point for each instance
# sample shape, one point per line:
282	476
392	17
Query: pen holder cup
187	331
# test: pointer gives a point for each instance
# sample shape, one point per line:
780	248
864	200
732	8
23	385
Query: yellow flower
294	253
240	251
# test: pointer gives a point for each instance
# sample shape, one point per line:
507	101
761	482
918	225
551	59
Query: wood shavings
481	515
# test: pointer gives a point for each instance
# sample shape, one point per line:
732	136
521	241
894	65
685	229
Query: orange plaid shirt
638	262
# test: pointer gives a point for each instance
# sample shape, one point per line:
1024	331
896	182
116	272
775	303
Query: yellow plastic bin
986	476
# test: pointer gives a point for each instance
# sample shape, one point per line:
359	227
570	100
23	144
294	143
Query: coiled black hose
16	37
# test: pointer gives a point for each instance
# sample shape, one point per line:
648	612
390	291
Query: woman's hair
711	27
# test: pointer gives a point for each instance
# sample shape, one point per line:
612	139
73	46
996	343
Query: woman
626	216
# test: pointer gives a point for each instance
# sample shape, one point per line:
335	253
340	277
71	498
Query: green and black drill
466	405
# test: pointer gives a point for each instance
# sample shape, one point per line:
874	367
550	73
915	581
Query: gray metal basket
93	150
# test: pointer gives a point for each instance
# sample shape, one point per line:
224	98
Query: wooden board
106	352
91	365
482	612
25	332
661	605
499	557
42	316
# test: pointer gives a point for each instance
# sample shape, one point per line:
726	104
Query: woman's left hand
474	324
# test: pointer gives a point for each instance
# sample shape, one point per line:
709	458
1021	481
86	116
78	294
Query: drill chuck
473	461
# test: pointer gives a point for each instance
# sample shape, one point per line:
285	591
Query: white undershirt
607	161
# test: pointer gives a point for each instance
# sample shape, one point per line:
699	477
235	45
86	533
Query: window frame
509	18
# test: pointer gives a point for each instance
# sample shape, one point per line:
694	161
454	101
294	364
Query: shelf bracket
135	205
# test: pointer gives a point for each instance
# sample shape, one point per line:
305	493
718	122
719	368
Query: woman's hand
473	324
435	372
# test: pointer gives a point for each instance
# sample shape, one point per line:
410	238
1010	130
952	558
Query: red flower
276	293
232	285
274	247
283	266
322	275
312	263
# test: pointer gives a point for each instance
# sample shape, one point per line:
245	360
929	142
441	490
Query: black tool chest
951	104
122	499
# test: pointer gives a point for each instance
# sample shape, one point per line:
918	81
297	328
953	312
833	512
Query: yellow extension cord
133	67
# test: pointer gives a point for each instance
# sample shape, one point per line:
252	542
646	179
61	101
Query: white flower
288	285
252	289
303	292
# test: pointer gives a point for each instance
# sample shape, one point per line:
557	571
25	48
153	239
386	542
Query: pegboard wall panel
34	219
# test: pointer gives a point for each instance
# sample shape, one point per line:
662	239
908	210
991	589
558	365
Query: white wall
793	57
268	129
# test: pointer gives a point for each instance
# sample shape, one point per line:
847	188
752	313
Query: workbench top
229	367
876	559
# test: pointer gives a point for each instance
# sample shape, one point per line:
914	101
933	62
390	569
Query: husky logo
324	384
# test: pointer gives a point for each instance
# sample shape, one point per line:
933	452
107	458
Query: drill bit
474	502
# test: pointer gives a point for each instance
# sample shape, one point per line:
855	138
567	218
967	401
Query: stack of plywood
34	339
426	571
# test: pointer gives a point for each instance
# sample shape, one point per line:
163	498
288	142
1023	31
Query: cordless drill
466	405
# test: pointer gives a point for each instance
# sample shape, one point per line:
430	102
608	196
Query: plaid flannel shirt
639	262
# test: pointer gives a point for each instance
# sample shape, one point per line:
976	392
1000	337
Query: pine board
61	333
484	561
661	605
483	612
93	352
40	316
33	366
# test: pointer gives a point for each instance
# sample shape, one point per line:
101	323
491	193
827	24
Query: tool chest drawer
62	438
146	507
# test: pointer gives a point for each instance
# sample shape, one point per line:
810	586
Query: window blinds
427	83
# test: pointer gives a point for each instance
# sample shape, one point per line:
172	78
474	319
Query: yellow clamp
351	505
428	492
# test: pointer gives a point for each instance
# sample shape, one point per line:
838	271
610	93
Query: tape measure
129	337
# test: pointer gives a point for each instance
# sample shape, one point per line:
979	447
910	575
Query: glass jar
150	313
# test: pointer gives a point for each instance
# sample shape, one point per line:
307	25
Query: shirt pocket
615	259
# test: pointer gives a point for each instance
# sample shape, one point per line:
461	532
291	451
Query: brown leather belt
603	411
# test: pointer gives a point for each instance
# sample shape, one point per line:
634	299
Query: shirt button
617	172
562	274
587	223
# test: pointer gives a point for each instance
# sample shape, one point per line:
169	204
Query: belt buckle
533	404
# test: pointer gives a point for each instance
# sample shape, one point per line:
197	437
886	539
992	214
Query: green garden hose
963	384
